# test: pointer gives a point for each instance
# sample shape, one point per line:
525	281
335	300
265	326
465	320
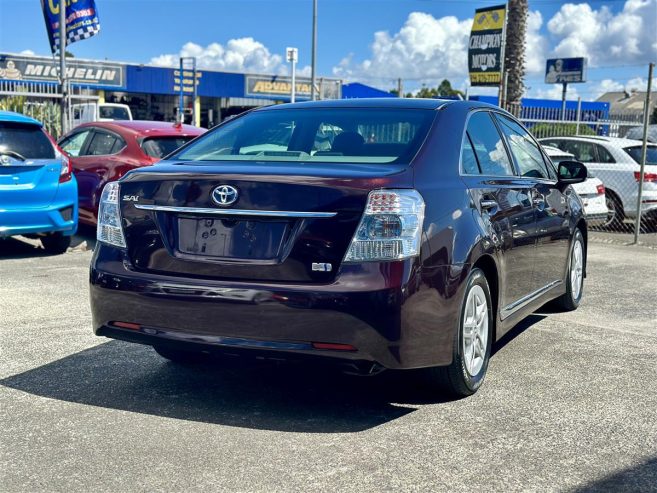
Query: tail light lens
109	229
601	189
646	176
66	172
391	227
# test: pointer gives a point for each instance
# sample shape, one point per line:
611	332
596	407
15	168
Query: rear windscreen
158	147
635	152
333	135
114	113
28	141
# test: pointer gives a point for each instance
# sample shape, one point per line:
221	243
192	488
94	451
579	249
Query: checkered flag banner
81	20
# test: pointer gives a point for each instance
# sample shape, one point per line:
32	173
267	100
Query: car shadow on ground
292	397
17	247
642	477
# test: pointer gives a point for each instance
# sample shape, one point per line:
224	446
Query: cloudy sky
371	41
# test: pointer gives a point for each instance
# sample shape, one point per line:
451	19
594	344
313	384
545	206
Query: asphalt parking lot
570	402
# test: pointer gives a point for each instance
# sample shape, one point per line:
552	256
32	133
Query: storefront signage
45	69
187	80
263	86
485	51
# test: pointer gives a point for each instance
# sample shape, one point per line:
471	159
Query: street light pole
292	55
62	63
313	65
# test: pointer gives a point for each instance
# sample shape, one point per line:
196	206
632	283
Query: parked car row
45	187
616	162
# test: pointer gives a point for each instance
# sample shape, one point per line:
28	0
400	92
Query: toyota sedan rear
377	234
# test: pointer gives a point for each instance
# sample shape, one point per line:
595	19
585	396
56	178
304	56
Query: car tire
56	243
180	356
616	215
470	359
571	299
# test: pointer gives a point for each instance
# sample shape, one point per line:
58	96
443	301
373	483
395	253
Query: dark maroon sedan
101	152
381	234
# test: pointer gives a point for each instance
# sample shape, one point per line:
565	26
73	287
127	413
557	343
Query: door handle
488	204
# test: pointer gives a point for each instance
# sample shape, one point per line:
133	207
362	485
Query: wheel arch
489	267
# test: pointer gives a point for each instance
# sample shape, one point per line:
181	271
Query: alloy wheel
475	330
576	269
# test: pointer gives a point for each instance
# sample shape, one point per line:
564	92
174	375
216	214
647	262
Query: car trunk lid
290	222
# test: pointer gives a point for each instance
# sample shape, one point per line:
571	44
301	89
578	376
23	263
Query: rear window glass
114	113
635	152
29	141
158	147
334	135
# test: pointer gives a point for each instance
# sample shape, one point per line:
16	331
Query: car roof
10	116
555	151
614	141
409	103
146	128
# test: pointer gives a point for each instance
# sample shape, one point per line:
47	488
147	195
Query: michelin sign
485	51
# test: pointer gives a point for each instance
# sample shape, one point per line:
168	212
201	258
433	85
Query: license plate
228	238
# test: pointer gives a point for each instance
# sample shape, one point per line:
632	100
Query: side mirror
571	172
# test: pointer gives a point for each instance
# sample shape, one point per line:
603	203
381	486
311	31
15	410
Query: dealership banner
81	20
14	67
485	51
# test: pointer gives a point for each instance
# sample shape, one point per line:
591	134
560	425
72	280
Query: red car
101	152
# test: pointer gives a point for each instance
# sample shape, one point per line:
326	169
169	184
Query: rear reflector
126	325
67	213
333	347
601	189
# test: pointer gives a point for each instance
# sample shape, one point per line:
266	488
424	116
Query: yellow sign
489	20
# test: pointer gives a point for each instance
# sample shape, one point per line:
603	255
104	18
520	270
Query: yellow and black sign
187	80
485	51
275	86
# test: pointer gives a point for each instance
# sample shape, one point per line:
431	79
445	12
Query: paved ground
570	403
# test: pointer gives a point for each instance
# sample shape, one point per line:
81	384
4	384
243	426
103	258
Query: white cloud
425	48
238	55
626	37
537	45
27	53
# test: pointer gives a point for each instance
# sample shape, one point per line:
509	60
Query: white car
616	162
99	112
592	191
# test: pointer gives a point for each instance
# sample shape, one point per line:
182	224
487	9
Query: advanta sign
565	70
45	69
485	55
263	86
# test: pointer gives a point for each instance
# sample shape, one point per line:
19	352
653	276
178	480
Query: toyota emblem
224	195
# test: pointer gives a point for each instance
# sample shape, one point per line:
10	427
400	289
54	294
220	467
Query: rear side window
103	143
488	145
635	152
73	145
528	156
333	135
29	141
468	158
158	147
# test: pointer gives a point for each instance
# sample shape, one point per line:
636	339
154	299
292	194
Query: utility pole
62	64
563	101
400	88
313	65
644	150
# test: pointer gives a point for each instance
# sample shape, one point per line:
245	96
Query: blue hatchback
38	193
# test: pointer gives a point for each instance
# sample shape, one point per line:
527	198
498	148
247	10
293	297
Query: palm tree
514	55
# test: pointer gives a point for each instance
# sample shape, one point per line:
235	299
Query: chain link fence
600	140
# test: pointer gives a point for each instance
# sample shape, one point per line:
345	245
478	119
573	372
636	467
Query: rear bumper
382	310
61	215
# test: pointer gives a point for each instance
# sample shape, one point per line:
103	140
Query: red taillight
646	176
66	172
333	347
601	189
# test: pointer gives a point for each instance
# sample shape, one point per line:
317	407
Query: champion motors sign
14	67
485	51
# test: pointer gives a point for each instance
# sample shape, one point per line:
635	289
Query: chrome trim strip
525	300
233	212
